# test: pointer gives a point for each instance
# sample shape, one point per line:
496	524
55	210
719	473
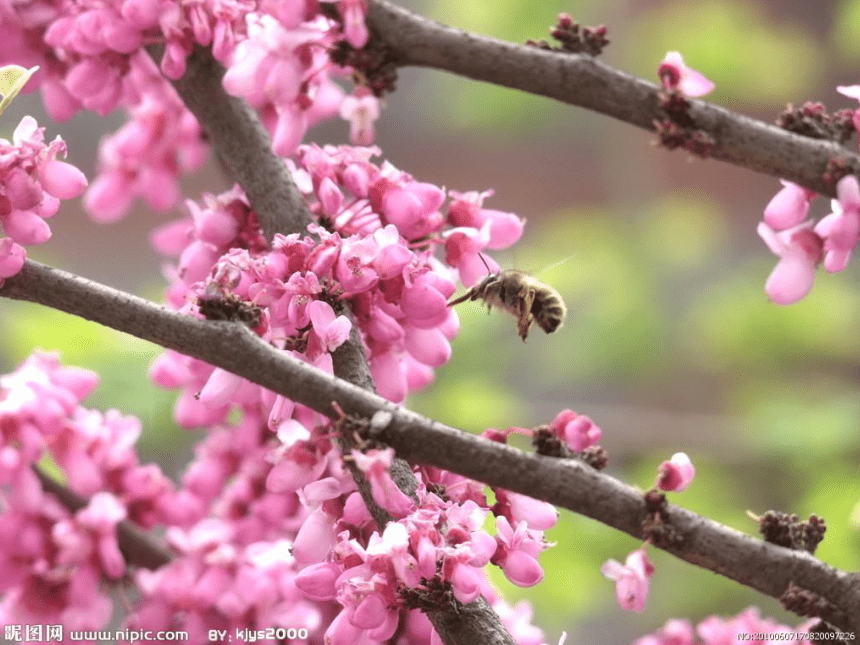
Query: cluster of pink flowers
146	156
437	546
32	183
266	533
801	244
92	57
54	560
719	631
276	474
374	248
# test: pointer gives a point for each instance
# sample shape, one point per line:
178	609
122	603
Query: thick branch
566	483
584	81
243	146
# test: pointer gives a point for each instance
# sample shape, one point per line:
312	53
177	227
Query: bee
524	296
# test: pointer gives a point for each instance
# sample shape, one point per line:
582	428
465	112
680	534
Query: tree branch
242	146
566	483
578	79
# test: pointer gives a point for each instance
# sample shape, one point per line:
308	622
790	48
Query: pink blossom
146	156
317	581
463	248
631	579
108	198
576	430
220	388
315	538
101	516
361	110
852	91
466	210
413	208
841	229
788	207
332	331
674	74
425	301
62	180
800	249
716	630
517	552
12	257
520	508
34	182
427	346
674	632
676	474
376	464
353	13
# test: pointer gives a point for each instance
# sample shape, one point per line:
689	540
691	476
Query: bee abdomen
552	315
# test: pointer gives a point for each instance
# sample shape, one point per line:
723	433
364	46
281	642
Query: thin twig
584	81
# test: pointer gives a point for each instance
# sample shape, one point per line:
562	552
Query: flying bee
524	296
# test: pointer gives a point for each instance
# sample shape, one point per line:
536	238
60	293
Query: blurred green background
670	342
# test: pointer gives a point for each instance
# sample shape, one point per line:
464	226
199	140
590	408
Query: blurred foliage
735	43
846	31
490	107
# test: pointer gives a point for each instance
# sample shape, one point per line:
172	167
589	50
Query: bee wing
555	264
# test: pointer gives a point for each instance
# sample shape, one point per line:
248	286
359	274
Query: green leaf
13	78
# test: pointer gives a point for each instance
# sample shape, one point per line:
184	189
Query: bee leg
469	295
525	318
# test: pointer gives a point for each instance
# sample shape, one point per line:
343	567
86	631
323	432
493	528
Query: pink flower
463	246
676	474
517	552
331	331
800	250
841	229
12	257
220	388
353	13
520	508
852	91
425	302
631	579
788	207
674	632
413	208
466	210
376	465
361	110
576	430
317	581
61	179
674	74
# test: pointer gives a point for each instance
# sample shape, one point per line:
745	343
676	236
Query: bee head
485	282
